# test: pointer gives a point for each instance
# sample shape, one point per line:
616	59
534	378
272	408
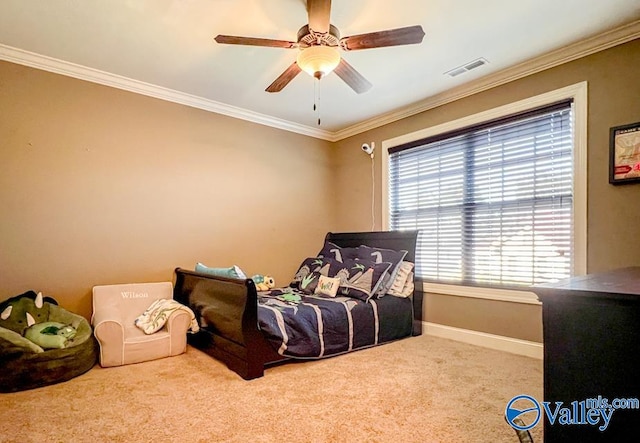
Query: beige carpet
422	389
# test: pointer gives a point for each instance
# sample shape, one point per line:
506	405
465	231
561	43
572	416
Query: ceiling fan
318	42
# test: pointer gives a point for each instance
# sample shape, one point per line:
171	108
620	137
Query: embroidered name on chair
132	294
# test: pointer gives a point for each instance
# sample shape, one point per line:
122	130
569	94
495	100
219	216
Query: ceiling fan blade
284	78
392	37
319	15
351	77
252	41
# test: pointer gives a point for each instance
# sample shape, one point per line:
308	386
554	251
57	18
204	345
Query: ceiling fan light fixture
318	60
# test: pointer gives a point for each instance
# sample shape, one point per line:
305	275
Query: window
494	202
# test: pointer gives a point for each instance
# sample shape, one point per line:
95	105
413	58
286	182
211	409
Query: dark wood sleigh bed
232	334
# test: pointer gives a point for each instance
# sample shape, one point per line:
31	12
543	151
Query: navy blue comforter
309	326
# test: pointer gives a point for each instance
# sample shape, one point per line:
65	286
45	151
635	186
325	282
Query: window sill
508	295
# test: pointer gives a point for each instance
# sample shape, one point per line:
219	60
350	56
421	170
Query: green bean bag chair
42	343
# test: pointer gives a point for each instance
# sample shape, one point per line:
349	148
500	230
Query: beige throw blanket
156	315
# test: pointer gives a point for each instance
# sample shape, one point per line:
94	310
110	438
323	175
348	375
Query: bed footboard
227	310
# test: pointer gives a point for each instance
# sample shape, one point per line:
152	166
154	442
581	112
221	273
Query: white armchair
115	309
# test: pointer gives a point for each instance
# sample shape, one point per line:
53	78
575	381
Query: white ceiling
165	48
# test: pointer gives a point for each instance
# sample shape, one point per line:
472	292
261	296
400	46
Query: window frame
577	93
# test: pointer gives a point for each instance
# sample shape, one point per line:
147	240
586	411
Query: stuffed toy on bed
263	282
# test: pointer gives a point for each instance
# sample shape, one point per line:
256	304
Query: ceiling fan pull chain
318	99
315	95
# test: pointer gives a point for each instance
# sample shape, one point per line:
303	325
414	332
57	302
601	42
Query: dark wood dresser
591	329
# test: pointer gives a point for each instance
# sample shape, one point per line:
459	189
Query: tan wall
101	186
613	211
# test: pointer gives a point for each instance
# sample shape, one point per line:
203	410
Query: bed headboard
396	240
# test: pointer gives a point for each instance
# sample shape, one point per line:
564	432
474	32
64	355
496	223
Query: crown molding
45	63
560	56
609	39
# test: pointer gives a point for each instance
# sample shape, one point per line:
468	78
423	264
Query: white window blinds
493	203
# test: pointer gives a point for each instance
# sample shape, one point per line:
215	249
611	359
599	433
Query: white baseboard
499	342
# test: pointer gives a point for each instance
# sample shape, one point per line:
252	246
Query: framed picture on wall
624	154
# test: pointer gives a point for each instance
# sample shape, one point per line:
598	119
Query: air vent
467	67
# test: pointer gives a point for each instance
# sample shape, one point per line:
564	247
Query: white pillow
327	286
398	284
407	289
